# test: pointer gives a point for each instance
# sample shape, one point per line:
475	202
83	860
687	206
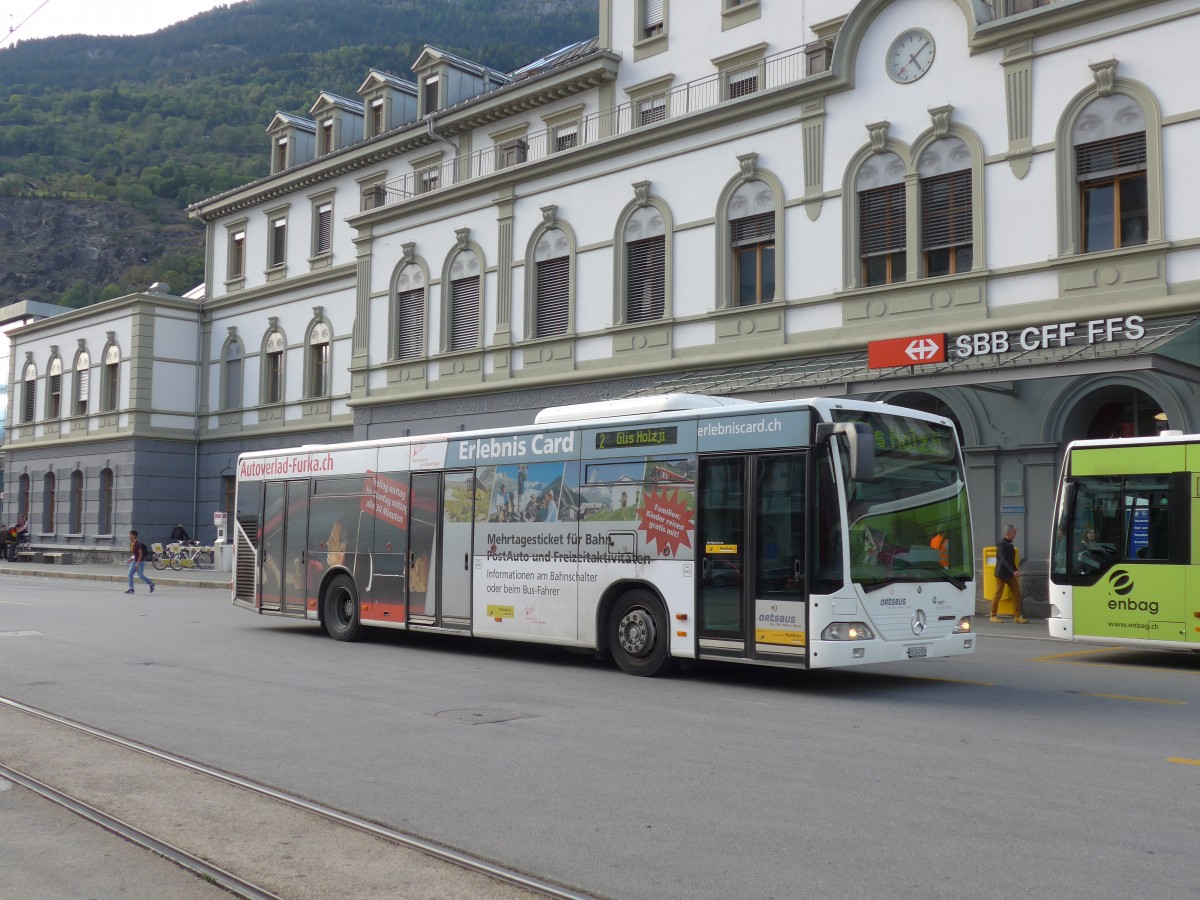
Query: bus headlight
963	626
847	631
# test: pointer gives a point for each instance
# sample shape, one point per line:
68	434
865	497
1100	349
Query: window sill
644	48
746	11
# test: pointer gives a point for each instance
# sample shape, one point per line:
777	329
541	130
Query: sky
28	19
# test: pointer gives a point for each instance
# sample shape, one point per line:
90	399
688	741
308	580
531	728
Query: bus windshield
910	522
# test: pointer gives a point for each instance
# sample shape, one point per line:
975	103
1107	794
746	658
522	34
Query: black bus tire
638	634
339	609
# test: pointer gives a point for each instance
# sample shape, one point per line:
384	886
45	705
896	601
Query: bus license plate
917	652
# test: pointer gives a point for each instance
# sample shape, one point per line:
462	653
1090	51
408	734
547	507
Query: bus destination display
637	437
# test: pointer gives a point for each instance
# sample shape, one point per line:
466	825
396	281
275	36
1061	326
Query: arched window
231	394
110	389
105	524
23	485
29	394
947	226
83	364
1109	142
751	214
882	220
645	240
409	315
48	498
272	377
320	343
54	389
75	525
466	276
552	283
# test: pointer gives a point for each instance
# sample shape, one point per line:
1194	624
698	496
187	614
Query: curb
116	578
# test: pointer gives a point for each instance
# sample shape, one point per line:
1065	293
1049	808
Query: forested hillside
133	129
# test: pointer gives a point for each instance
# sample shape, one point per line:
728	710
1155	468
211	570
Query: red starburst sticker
667	521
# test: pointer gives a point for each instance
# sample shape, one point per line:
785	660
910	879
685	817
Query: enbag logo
1120	582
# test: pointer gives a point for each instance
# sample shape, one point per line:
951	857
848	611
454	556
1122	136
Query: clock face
910	55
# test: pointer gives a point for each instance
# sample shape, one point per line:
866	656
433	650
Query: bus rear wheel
340	610
638	634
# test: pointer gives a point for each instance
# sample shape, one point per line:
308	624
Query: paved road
1033	767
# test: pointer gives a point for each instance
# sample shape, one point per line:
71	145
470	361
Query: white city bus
807	533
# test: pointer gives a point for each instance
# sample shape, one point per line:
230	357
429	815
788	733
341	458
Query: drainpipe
438	137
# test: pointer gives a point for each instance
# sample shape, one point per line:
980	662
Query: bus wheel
341	610
638	635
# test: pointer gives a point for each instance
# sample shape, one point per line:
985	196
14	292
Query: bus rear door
751	551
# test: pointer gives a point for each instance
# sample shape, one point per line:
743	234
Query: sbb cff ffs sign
906	351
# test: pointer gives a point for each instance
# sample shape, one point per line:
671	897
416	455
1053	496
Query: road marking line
1140	699
1183	761
1089	652
16	603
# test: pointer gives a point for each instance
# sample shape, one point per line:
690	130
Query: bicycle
191	556
159	557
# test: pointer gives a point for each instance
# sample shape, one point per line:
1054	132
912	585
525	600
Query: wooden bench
26	555
62	557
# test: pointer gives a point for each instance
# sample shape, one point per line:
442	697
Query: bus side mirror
860	442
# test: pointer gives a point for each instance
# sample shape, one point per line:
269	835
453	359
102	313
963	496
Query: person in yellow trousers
1007	574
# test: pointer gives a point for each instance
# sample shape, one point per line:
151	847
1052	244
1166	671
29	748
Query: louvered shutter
1115	156
324	228
946	211
278	242
82	377
410	324
652	16
752	229
646	279
464	314
30	397
553	296
881	220
233	377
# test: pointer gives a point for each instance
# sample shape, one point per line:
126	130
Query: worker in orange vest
941	544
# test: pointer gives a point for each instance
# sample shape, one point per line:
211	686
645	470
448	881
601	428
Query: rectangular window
652	110
323	236
278	243
55	389
553	313
881	220
274	379
327	137
566	137
431	94
428	179
237	255
376	118
281	154
646	279
112	385
652	18
29	412
946	223
318	369
1114	207
464	314
82	377
233	383
753	241
741	84
410	325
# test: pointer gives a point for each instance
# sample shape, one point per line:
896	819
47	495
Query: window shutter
324	227
881	220
1115	156
233	382
82	376
30	400
278	241
410	324
237	255
464	314
652	16
740	84
752	229
946	211
646	279
553	313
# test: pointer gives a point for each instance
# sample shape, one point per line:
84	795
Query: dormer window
281	154
430	86
327	137
377	117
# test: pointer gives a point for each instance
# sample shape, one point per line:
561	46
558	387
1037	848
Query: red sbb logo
907	351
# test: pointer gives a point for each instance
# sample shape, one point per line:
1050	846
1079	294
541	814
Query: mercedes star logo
918	622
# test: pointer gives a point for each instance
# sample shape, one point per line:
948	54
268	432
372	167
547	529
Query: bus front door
285	537
751	551
441	522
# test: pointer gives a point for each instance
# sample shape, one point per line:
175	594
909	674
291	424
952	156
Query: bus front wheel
340	616
638	635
